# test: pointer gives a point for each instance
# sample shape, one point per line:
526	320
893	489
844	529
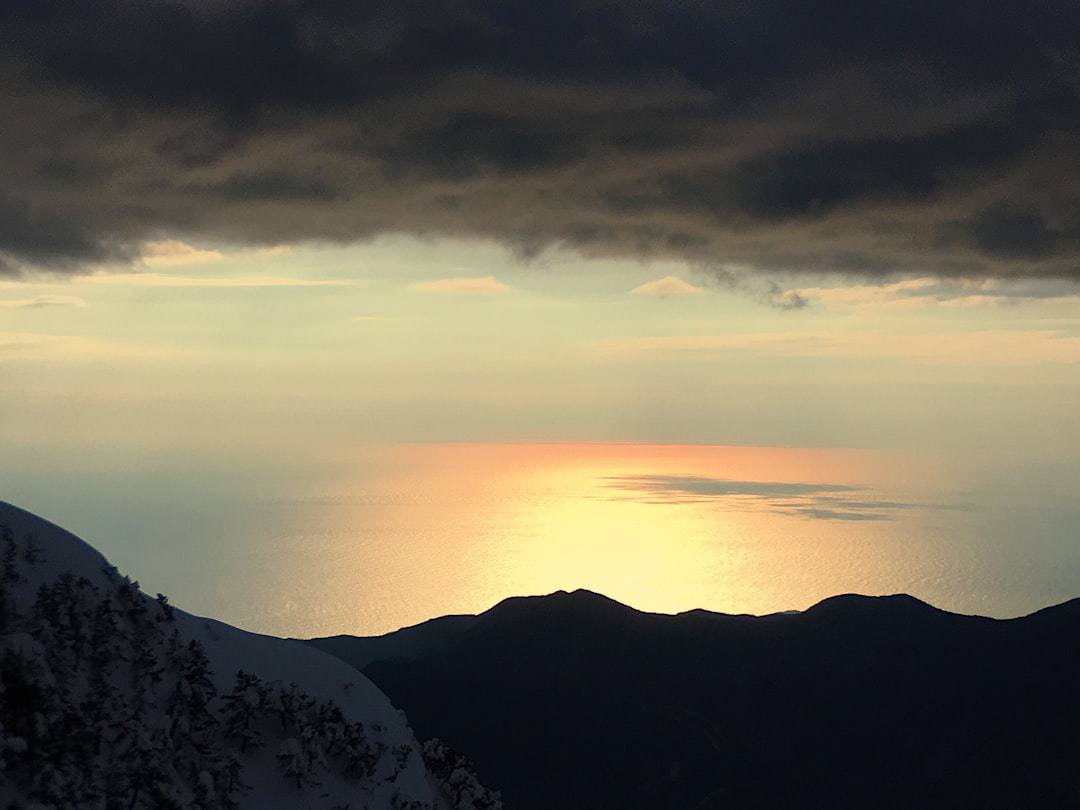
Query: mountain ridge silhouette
574	700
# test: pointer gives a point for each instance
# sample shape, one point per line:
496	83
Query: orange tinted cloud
919	293
668	285
173	251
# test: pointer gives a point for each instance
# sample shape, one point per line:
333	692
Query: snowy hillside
110	698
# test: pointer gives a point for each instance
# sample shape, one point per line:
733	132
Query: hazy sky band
801	136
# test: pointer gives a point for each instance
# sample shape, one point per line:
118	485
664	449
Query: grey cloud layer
821	136
819	501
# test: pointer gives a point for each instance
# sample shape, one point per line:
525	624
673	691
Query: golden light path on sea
429	530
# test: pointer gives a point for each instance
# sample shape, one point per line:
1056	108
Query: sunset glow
662	527
352	440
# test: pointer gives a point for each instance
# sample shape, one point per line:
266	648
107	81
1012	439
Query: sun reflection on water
435	529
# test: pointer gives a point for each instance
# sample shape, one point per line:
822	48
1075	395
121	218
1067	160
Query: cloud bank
861	138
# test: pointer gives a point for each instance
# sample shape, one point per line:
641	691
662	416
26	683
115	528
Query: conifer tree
292	761
240	712
11	568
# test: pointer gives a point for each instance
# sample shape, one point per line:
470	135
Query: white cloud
668	285
485	284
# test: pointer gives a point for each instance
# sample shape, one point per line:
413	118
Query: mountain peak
559	605
864	603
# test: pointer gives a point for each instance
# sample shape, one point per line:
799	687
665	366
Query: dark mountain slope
575	701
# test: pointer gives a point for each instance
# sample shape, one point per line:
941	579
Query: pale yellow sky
409	340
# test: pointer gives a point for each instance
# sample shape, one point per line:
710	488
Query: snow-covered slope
110	698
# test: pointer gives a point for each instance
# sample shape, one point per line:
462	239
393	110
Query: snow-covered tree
242	709
456	777
293	762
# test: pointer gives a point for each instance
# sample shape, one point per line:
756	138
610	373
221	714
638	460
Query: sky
240	241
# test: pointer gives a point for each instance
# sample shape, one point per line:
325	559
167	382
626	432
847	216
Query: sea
393	535
420	531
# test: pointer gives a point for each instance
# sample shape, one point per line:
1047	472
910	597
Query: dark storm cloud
783	135
763	290
29	230
1014	233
